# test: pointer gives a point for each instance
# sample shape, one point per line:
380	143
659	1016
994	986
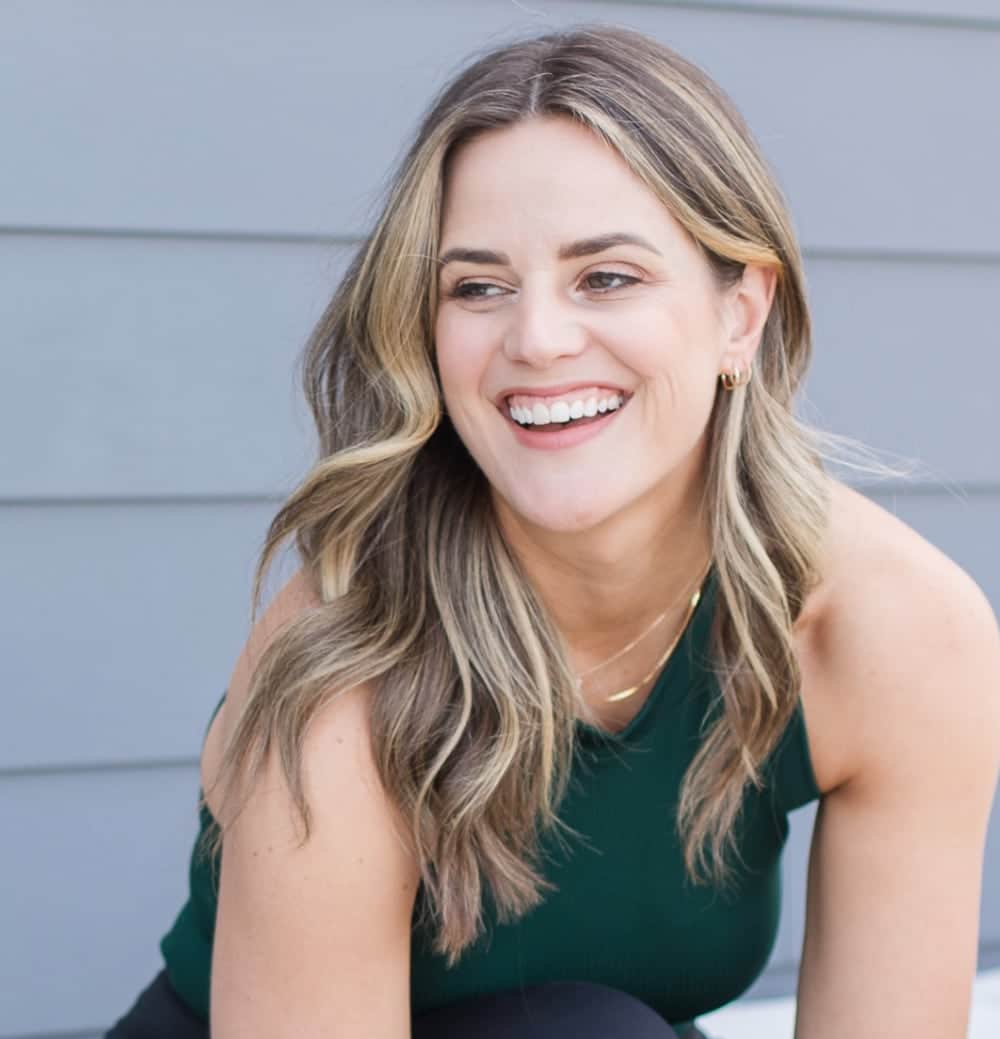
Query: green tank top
623	913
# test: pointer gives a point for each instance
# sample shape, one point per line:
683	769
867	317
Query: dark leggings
558	1009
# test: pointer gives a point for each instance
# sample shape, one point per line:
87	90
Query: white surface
775	1018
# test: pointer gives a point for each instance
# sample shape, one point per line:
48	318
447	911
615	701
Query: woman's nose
543	328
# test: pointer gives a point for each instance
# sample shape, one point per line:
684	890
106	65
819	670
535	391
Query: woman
581	618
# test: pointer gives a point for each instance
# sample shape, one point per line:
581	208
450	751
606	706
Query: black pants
558	1009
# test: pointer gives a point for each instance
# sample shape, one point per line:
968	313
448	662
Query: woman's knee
577	1009
158	1013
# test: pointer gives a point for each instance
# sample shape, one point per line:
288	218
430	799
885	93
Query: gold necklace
635	642
624	694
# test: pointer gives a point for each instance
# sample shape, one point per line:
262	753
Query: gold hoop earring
736	377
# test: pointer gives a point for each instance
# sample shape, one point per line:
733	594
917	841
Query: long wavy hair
420	597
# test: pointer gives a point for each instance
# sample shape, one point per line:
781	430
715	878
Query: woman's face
566	288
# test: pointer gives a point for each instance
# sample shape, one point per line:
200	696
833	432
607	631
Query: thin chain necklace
624	694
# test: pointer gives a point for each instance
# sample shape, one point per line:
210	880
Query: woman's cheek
459	346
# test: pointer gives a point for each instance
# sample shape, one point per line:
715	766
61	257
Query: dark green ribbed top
623	914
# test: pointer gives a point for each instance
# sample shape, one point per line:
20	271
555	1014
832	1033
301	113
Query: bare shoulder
291	600
898	645
901	690
337	748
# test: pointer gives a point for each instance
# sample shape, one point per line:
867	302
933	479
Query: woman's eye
596	281
474	290
606	276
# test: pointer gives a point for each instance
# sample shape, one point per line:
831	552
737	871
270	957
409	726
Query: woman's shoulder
295	596
886	639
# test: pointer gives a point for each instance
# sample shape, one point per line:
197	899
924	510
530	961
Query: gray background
180	185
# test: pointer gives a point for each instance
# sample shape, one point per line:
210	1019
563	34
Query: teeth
563	412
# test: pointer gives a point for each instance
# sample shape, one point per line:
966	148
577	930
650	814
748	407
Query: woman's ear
748	304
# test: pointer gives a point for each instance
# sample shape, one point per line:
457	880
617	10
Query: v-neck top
623	913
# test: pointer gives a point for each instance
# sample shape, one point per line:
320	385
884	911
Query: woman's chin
560	516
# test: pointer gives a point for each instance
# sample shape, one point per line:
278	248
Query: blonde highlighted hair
472	714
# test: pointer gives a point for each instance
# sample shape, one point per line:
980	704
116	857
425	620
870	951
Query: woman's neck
605	586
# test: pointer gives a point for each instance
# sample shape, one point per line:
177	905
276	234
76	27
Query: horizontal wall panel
905	358
122	625
99	864
977	11
139	367
148	367
129	119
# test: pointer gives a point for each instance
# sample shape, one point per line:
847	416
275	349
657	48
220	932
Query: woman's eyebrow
589	246
474	256
571	251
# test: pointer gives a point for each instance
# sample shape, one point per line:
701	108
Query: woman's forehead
545	180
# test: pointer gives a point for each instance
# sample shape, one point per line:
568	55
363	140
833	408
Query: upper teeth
539	414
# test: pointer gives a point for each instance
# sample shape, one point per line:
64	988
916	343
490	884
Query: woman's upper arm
895	868
315	940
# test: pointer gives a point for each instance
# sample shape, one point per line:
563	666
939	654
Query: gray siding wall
180	186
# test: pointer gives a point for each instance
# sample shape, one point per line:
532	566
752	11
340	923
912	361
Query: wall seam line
76	768
848	254
825	12
942	487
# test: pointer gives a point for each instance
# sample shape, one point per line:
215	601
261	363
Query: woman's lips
557	435
561	390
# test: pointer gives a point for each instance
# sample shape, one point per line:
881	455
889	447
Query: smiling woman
630	327
581	618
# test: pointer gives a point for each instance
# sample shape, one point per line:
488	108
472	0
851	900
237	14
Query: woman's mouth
564	422
551	414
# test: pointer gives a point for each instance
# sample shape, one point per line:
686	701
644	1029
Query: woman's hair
473	699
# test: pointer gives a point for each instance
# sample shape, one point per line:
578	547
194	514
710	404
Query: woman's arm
315	941
895	868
